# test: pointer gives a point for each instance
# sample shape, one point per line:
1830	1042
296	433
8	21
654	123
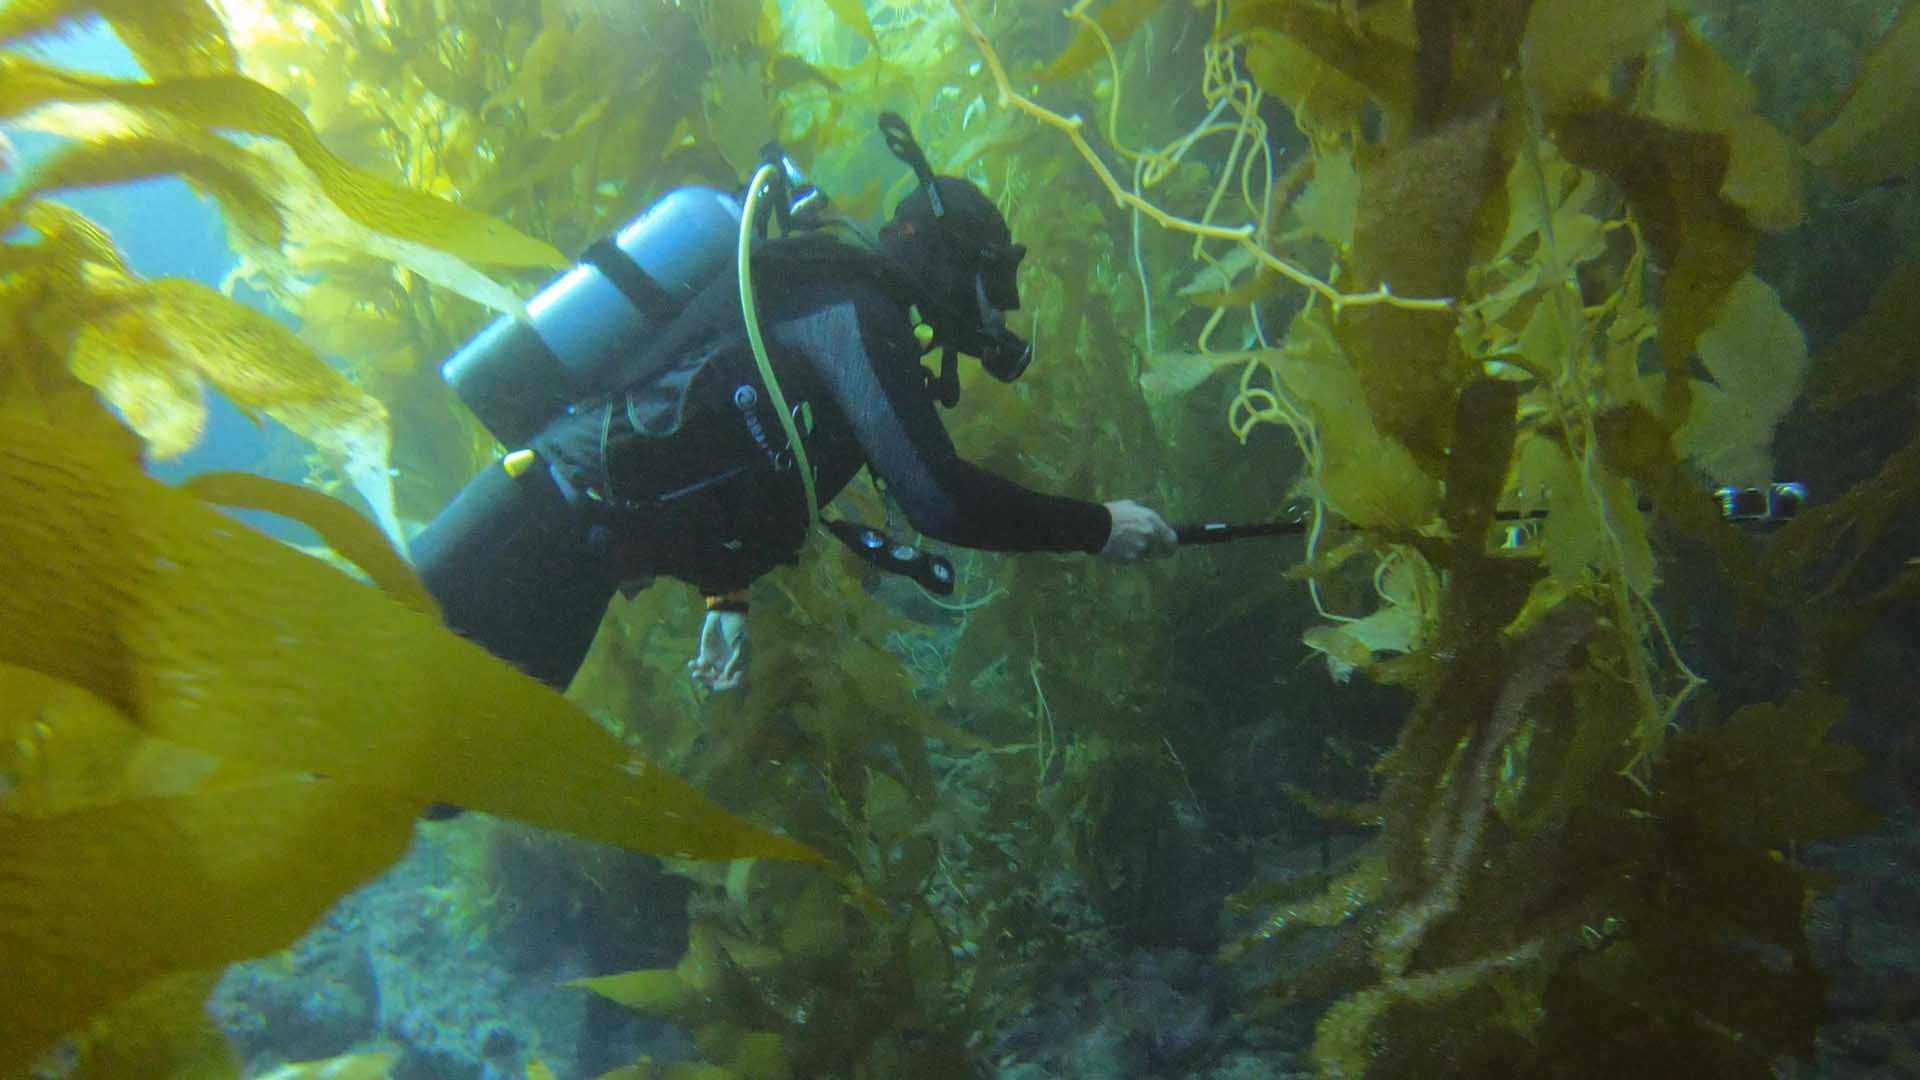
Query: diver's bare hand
1137	533
722	663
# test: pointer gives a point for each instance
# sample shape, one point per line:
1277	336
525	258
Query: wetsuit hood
950	231
954	241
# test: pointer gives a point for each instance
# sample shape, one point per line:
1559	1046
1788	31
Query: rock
457	960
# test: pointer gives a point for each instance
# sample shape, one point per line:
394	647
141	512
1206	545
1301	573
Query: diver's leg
513	568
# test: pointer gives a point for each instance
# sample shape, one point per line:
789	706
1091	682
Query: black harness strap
638	286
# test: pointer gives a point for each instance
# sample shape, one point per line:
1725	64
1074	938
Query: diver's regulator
581	335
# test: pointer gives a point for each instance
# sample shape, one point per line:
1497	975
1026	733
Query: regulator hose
763	179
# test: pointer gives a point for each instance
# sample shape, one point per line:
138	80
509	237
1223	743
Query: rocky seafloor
461	973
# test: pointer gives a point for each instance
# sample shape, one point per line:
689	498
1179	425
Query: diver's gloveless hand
722	663
1138	533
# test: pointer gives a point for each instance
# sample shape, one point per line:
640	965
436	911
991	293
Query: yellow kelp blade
1570	44
168	37
1369	478
63	750
280	217
216	166
681	1070
72	236
236	103
164	1032
1169	375
853	15
96	904
1757	356
351	536
319	231
121	356
173	37
37	386
1117	21
652	990
147	355
346	1067
1695	88
213	636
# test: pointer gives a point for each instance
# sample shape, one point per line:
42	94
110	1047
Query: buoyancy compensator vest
691	460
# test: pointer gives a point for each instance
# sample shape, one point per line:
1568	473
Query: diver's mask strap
901	144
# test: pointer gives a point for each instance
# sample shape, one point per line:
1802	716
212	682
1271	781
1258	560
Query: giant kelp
198	758
265	193
196	762
1465	346
1563	322
148	345
1530	388
1544	675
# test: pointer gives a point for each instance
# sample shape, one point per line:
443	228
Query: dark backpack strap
638	286
944	388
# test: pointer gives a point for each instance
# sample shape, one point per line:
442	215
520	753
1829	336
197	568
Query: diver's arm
869	359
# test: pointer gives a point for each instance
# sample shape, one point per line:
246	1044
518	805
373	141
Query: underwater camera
579	337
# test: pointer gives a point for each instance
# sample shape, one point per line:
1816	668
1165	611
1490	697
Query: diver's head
954	240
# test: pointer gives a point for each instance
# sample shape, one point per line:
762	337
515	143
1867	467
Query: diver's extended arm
868	357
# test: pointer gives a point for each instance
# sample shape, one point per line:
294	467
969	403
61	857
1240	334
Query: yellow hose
758	187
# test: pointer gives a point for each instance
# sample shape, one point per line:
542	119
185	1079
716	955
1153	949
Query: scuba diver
655	424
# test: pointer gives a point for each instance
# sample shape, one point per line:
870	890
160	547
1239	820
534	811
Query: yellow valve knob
518	462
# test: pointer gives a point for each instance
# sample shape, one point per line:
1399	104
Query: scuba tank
584	330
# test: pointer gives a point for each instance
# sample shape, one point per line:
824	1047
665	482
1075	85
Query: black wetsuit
689	475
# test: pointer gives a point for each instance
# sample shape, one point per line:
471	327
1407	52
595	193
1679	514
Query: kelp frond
217	103
180	686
